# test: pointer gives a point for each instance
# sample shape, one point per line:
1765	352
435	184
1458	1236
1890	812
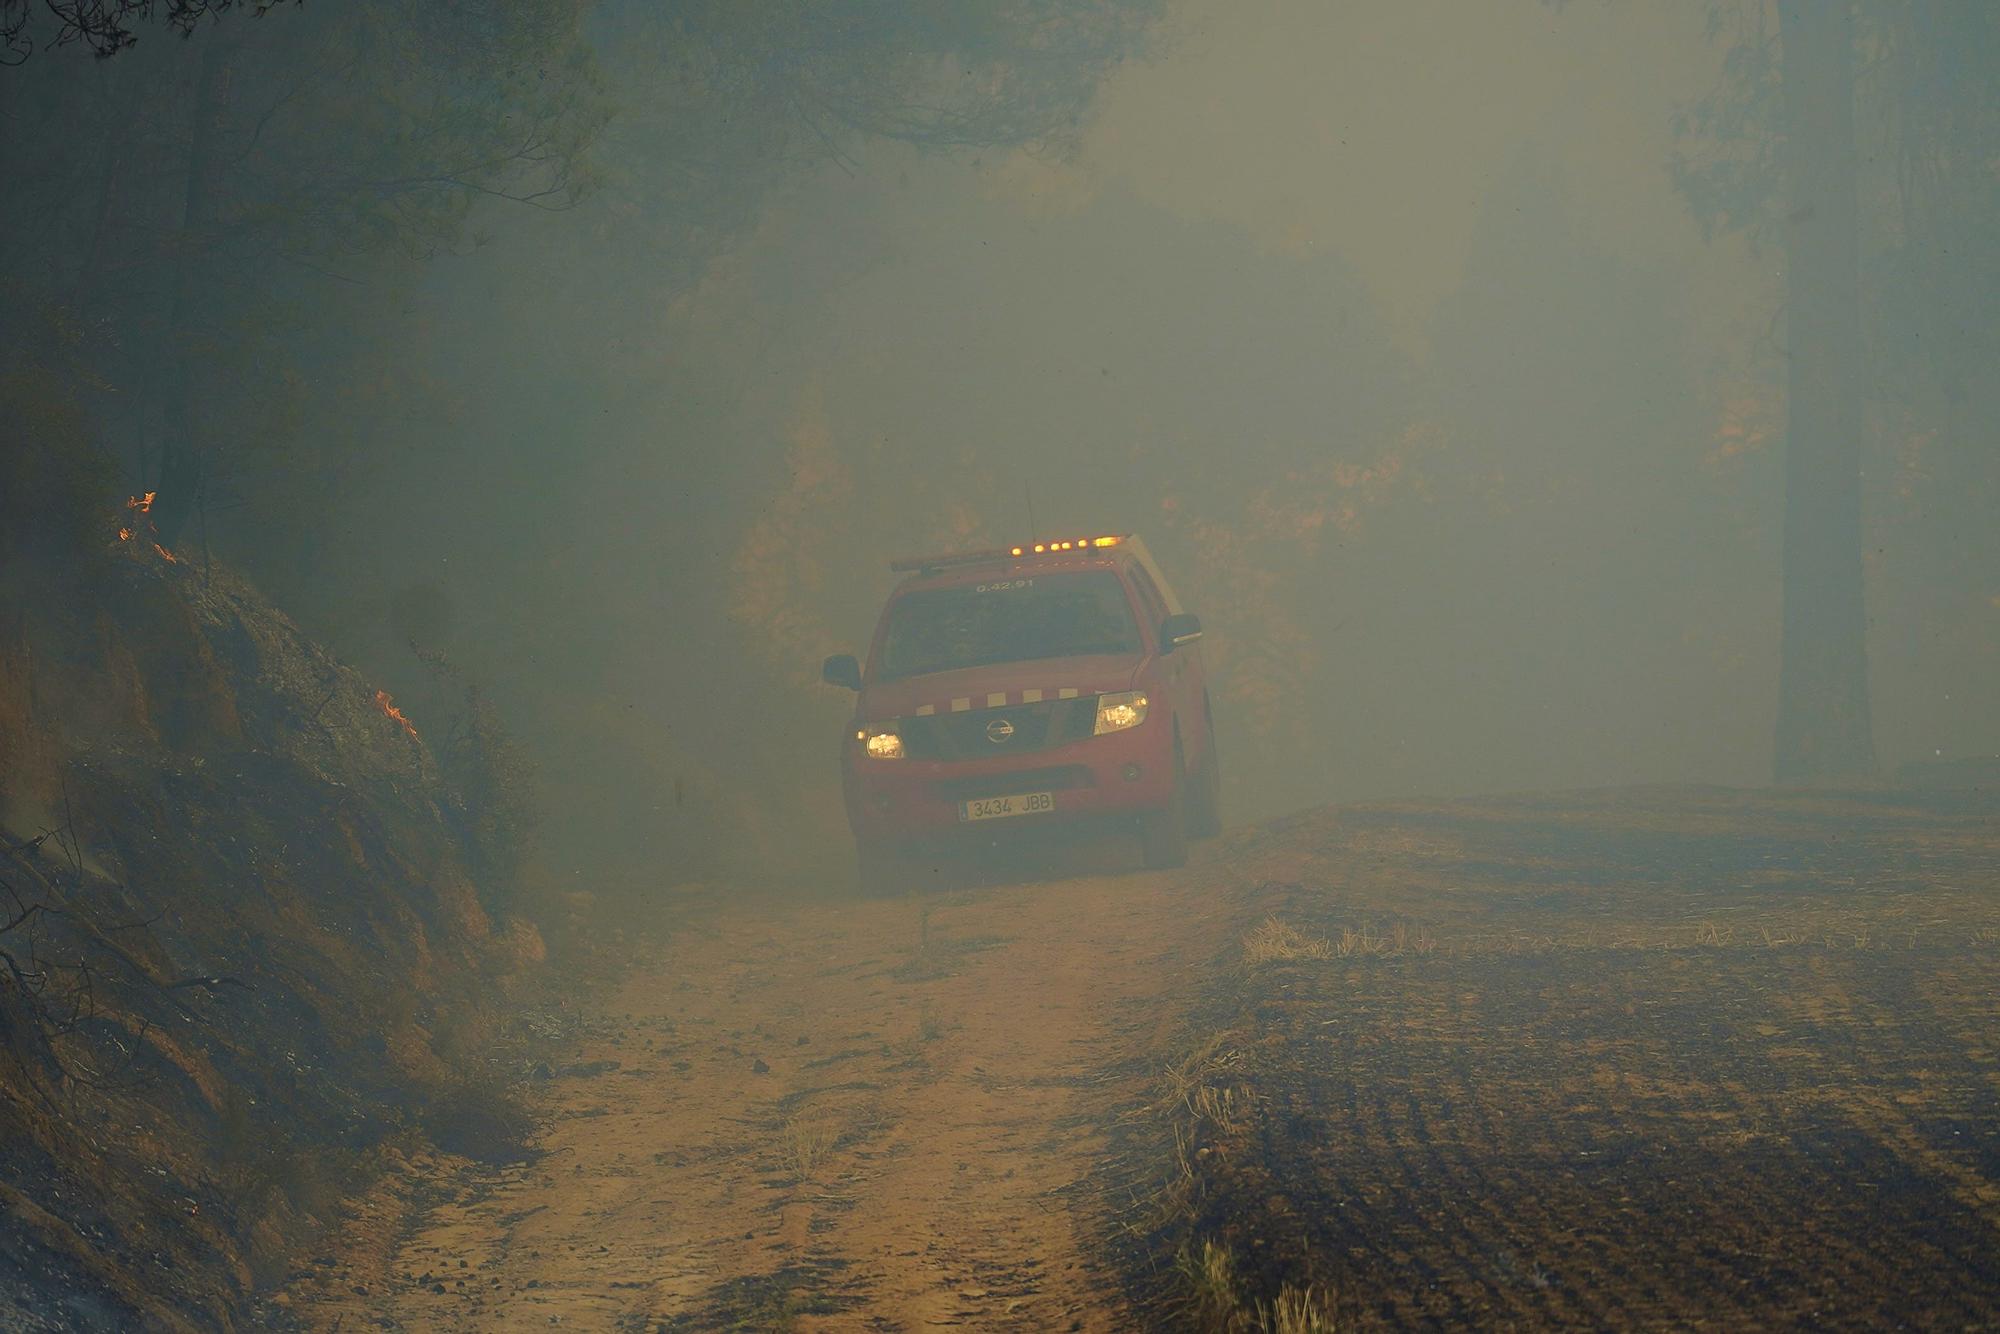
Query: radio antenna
1028	494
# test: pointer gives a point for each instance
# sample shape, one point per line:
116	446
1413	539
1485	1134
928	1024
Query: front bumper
1120	774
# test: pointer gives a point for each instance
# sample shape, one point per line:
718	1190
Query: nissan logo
998	731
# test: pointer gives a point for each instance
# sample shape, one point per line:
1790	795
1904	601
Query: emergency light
913	563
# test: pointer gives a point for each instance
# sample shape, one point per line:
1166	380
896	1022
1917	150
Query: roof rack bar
909	563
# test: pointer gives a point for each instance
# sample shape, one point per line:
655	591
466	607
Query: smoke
1385	324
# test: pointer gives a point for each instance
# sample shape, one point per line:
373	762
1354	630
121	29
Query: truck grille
1018	729
1058	778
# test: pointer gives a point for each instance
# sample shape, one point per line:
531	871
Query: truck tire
1163	834
1205	801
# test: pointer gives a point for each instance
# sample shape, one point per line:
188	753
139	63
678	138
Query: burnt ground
251	951
1689	1058
1622	1059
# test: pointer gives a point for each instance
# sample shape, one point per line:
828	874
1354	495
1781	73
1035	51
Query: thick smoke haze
1386	324
1030	664
1293	239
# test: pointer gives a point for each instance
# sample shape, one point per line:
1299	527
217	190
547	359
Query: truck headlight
1117	712
881	743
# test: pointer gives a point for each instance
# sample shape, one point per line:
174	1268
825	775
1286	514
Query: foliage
491	781
271	284
1914	150
1934	127
216	206
931	72
105	26
1928	125
1725	162
348	142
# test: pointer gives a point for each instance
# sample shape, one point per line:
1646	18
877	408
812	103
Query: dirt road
1628	1059
845	1114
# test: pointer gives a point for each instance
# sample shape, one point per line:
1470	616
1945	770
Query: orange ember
139	505
166	555
388	706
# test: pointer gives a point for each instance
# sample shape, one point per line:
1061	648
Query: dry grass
1224	1108
1297	1311
1279	942
806	1142
1832	932
1215	1301
1181	1080
1210	1275
1276	941
1195	1092
1401	939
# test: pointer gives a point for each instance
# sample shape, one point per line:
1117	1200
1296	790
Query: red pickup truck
1022	687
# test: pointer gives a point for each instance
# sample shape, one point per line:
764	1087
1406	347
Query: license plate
999	808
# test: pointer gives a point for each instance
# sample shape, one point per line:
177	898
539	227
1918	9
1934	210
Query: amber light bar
910	563
1079	544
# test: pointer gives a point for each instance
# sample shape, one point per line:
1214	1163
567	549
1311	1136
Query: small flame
139	505
388	707
166	555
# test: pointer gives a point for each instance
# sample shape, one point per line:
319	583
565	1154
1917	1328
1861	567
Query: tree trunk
115	136
182	464
1824	734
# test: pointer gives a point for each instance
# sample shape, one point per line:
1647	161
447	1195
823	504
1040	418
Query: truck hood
977	685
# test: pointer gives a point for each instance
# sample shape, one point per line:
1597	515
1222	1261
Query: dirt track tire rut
862	1113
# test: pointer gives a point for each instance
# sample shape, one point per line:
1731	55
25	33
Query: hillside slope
243	964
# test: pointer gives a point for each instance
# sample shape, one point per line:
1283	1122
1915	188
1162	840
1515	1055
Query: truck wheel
1163	837
1205	802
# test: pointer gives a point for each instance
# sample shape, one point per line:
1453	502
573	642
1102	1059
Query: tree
217	198
104	26
1775	156
216	182
1860	135
1823	730
354	142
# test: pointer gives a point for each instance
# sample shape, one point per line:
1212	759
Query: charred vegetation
253	931
1586	1060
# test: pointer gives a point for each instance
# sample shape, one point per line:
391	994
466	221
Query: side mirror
1179	630
842	669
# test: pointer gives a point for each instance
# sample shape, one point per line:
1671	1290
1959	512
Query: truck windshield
1009	620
